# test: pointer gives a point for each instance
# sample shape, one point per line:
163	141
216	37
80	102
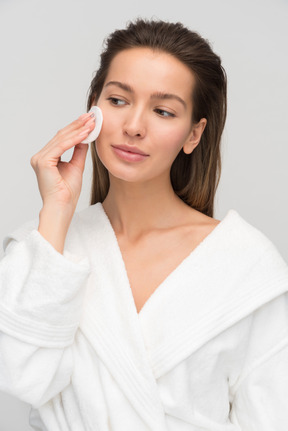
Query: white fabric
207	352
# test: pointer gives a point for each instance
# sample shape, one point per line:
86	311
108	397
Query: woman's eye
164	113
116	102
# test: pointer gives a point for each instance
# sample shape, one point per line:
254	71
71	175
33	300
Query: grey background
49	51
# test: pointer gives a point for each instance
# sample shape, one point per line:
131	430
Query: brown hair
195	176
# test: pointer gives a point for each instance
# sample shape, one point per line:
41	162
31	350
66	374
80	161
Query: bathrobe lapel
111	321
232	272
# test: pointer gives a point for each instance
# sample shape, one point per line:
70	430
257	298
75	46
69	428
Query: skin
154	228
141	195
60	182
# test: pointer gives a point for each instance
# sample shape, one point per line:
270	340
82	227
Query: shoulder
254	257
233	236
243	237
242	262
250	246
235	231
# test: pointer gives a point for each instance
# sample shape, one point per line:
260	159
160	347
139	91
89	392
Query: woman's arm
41	291
41	295
260	397
261	401
60	182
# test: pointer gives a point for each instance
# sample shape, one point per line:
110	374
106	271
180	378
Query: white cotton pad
98	124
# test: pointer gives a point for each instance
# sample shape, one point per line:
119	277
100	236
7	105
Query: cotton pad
98	124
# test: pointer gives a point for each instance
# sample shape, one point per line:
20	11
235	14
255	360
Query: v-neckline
196	250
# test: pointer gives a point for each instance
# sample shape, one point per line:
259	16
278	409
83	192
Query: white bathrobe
207	352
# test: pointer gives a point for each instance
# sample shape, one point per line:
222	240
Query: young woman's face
147	109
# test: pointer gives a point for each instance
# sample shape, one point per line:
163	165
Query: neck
136	208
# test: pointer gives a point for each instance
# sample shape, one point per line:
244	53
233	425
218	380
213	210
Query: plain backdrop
49	52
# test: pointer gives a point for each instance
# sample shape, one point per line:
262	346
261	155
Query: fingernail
92	114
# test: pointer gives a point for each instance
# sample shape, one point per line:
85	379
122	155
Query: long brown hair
195	176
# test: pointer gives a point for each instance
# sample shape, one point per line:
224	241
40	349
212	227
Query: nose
134	124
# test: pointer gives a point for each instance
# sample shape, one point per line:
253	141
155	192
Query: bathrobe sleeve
260	401
41	293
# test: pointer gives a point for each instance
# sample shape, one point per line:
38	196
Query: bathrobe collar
231	273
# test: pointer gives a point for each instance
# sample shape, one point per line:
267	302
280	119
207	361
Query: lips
130	149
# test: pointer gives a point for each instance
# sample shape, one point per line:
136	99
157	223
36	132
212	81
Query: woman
143	312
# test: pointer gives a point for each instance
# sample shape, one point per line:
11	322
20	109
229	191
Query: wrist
53	225
57	212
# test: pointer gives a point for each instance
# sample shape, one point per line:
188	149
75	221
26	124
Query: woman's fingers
60	182
79	156
64	140
67	140
76	124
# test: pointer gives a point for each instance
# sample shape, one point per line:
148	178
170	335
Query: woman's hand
60	182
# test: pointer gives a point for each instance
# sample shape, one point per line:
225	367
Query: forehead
148	70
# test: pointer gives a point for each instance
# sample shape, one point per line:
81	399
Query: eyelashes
164	113
115	101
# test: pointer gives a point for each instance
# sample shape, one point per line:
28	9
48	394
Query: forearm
54	223
41	297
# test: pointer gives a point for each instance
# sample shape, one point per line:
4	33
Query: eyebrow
158	95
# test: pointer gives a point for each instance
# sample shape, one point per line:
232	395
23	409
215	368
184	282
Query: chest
149	262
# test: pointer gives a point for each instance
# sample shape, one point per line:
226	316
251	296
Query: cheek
172	140
111	125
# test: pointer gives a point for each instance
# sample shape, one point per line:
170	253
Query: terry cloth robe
207	352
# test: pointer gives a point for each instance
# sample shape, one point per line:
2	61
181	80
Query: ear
194	136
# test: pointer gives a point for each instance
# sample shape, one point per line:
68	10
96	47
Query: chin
125	175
